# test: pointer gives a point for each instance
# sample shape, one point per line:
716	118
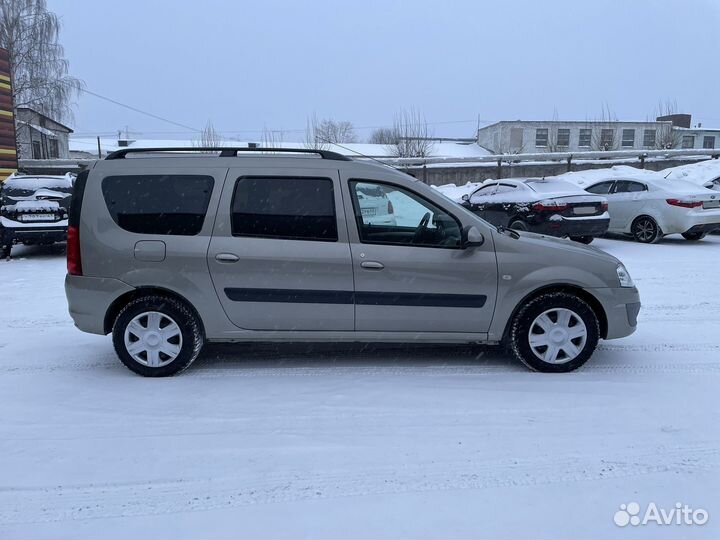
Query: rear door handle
372	265
226	258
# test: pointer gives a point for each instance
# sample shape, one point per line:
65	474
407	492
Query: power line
135	109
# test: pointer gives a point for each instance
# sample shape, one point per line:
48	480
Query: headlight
624	276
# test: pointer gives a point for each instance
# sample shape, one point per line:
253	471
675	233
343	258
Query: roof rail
227	151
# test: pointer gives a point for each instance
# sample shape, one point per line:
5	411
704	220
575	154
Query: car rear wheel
582	239
646	230
694	236
519	225
556	332
157	336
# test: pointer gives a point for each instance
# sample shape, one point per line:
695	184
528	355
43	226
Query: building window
53	148
585	138
516	139
541	137
709	141
607	138
563	137
688	141
37	153
628	138
288	208
649	138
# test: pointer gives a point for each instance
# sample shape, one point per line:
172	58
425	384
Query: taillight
549	206
74	263
391	210
684	204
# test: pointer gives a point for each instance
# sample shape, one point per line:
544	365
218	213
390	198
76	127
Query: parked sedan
555	208
649	209
34	210
375	206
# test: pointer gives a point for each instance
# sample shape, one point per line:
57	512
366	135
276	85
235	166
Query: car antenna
368	157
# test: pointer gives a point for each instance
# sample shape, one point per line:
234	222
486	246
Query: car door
493	200
279	256
626	202
413	276
606	190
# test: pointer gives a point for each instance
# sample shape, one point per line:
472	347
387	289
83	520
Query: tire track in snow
167	496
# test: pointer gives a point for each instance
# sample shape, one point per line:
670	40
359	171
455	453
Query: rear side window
168	204
625	186
603	188
289	208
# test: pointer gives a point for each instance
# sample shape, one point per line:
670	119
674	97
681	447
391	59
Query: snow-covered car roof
35	182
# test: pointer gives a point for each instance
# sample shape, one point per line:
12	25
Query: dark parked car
551	207
34	210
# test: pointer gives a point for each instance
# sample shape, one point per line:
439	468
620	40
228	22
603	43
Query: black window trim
356	208
285	177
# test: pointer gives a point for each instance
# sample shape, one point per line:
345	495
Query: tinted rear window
158	204
291	208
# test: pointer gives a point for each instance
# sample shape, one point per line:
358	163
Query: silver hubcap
153	339
557	336
645	230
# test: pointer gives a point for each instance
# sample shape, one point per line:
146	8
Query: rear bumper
621	305
33	235
573	227
704	228
89	299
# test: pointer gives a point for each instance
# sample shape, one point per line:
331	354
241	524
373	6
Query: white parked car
649	209
375	206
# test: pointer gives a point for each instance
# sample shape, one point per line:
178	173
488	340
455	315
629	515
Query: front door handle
226	258
372	265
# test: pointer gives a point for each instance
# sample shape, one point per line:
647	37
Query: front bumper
621	306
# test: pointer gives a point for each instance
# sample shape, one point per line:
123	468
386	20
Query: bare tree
412	136
383	136
552	142
666	138
209	137
332	131
272	138
37	61
604	130
313	137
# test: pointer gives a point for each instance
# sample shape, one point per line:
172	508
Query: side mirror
471	237
466	197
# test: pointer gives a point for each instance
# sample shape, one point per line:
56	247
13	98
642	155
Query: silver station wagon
170	249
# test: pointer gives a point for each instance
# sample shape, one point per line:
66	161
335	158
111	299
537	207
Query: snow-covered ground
356	442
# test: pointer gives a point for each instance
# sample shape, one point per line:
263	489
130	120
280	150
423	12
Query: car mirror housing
466	197
472	237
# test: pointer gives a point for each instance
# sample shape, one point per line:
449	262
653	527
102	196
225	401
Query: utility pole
99	150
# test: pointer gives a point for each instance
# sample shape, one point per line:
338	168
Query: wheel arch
588	297
121	301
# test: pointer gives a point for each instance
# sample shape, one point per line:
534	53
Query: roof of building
47	117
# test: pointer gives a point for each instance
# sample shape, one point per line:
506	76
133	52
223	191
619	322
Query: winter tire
157	336
554	333
646	230
518	225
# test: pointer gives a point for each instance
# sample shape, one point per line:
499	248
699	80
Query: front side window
541	137
626	186
417	222
688	141
284	208
168	204
628	138
585	138
603	188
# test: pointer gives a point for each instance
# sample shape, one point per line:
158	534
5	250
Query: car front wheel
646	230
556	332
157	336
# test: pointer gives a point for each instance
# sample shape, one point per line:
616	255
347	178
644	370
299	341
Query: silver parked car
168	251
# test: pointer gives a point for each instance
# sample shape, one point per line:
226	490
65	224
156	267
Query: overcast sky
248	65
